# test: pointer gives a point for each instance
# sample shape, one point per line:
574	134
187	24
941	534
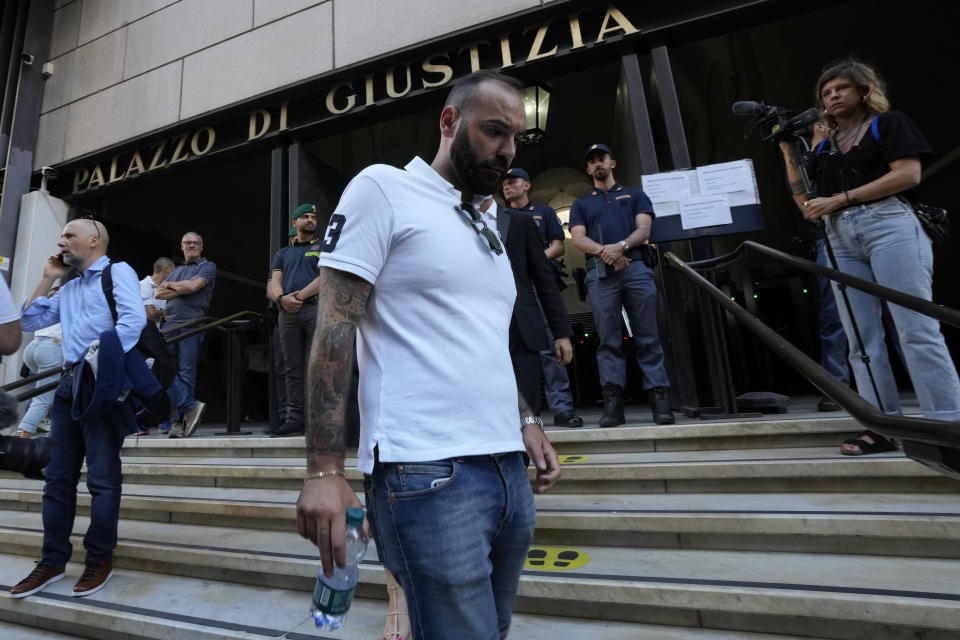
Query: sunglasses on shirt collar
486	235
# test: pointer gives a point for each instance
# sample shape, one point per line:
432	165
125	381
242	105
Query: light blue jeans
883	242
455	533
41	354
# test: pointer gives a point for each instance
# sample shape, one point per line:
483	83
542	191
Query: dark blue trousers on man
99	442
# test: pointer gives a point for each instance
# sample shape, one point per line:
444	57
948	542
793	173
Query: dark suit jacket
533	276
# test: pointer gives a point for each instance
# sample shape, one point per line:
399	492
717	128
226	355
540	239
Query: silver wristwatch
531	420
623	243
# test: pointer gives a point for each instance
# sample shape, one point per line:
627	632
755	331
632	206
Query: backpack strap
106	281
875	128
819	147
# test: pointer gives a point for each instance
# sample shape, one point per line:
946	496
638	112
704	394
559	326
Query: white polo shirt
148	291
436	380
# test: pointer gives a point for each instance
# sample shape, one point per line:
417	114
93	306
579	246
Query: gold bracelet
323	474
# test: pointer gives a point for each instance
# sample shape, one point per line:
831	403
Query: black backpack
152	344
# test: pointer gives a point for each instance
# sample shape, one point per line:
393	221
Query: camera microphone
801	120
748	108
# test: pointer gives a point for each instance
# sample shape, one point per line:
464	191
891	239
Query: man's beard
600	174
471	172
71	260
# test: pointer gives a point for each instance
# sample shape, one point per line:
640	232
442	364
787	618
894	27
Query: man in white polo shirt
408	260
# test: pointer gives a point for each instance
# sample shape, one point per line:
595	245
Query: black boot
660	405
612	406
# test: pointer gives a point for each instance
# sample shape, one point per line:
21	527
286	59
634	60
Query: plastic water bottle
332	596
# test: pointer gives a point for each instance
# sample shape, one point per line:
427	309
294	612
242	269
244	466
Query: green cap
304	208
354	517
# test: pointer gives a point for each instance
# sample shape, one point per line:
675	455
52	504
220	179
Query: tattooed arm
323	502
539	449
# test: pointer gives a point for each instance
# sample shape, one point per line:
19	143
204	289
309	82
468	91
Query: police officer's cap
598	148
304	208
516	172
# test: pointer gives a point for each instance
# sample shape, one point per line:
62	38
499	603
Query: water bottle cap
354	517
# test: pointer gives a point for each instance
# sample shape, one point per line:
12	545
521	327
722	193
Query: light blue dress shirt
82	310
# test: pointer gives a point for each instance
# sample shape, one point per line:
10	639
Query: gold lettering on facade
114	176
156	163
136	163
96	177
80	177
474	54
535	53
259	123
506	60
178	154
195	140
391	89
351	99
430	67
283	116
368	90
621	24
575	36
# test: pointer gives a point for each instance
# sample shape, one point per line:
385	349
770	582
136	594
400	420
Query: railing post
234	384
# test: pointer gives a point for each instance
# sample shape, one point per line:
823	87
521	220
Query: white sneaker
192	418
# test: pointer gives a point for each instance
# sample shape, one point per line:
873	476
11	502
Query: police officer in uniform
291	287
556	383
611	224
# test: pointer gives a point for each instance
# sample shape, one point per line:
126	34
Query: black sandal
880	444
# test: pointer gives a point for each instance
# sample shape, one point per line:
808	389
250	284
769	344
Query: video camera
27	456
775	123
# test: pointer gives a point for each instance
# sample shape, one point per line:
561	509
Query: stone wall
123	68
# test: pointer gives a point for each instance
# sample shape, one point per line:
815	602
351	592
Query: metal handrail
927	308
16	384
937	432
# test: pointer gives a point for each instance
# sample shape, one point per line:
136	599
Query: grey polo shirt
183	308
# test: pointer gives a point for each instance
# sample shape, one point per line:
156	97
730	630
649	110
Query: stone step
688	435
11	631
814	469
820	595
138	605
871	524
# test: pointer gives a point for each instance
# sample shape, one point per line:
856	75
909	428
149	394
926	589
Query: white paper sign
668	187
726	177
704	211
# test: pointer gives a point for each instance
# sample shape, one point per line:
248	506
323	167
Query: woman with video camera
864	160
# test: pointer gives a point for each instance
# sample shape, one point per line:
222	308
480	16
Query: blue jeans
634	290
883	242
833	340
187	352
41	354
100	443
455	533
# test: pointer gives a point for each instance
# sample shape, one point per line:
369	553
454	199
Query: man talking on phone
82	309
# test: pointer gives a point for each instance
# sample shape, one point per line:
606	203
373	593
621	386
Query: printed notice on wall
731	182
705	211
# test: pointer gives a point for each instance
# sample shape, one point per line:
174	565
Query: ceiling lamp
536	104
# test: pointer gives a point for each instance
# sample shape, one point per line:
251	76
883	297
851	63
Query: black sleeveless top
898	137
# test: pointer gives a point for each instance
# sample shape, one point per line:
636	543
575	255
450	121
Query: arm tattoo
525	409
342	301
796	187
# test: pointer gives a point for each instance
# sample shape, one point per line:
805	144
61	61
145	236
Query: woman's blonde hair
867	80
